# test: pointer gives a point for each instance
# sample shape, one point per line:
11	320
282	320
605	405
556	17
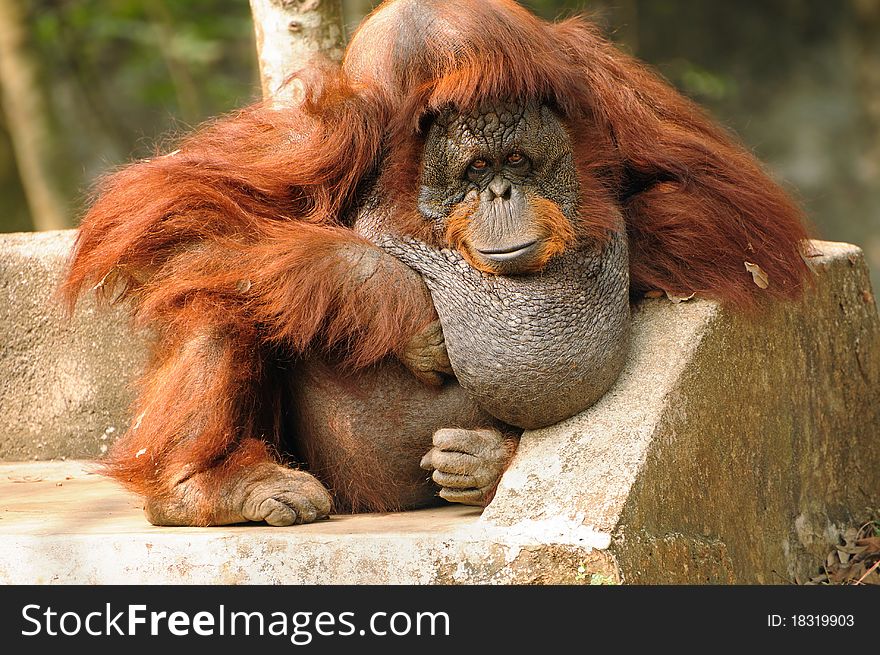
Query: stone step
733	449
66	381
60	523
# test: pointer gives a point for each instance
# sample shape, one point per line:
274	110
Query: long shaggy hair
225	247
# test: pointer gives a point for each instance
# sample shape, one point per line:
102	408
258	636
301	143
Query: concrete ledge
732	449
59	524
65	381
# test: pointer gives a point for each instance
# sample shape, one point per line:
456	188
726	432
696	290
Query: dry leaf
677	299
758	275
870	544
831	560
871	576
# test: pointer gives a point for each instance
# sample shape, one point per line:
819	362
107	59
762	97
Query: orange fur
558	232
458	227
234	249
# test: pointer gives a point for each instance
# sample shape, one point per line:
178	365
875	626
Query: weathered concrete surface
730	450
59	524
64	385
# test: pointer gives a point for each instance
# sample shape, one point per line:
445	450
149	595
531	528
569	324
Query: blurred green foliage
122	57
122	75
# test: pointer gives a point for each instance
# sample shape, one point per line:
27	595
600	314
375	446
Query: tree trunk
27	118
289	33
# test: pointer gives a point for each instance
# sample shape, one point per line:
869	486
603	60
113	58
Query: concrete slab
65	382
731	449
62	524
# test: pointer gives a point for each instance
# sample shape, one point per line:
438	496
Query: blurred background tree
115	81
90	84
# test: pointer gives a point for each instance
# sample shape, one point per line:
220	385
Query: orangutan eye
476	170
516	159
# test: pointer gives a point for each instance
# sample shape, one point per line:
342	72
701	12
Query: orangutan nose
500	188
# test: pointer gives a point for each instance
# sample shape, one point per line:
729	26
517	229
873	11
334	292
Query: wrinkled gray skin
536	349
527	347
504	234
532	348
